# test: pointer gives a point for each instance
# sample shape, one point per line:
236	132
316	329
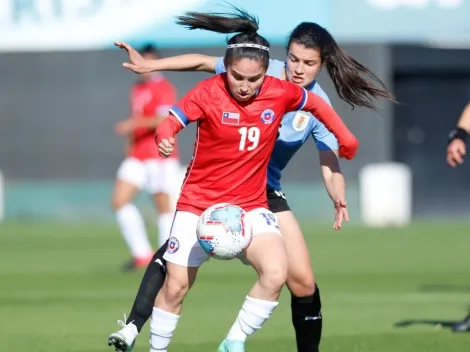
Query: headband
247	45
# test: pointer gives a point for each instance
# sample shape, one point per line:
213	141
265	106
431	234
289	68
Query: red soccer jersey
235	140
148	100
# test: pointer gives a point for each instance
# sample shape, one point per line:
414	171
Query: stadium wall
59	153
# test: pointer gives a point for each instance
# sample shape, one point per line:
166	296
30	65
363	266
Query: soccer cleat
463	326
136	263
232	346
124	339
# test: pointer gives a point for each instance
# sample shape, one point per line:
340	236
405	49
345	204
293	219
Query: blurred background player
143	168
456	151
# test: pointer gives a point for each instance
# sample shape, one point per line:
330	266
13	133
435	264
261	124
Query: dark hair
149	49
236	21
344	71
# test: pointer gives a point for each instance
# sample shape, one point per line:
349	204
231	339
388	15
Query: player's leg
163	175
305	296
463	326
152	282
130	179
184	256
267	255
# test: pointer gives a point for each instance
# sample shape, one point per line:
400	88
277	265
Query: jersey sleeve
276	68
191	107
324	139
220	66
298	98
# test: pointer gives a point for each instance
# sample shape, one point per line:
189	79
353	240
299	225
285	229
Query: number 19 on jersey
249	138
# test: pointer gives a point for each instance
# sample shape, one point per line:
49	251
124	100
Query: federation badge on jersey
300	121
267	116
173	245
231	118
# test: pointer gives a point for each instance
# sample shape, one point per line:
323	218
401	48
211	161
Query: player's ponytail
246	44
345	72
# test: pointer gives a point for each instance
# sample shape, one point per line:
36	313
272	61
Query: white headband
247	45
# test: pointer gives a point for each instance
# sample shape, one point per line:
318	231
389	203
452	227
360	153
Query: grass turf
382	290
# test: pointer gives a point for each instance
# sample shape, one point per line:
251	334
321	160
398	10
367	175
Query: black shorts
277	201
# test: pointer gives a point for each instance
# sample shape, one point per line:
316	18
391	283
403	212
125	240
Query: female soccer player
143	169
310	47
238	115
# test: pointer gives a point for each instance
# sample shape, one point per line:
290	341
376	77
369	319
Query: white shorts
183	248
153	176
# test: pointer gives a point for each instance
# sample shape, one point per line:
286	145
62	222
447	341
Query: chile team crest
267	116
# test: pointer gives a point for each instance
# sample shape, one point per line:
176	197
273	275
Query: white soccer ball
222	231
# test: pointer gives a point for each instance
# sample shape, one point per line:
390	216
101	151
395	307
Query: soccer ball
222	231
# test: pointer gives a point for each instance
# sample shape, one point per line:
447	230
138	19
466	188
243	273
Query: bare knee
162	202
301	284
273	277
174	291
117	202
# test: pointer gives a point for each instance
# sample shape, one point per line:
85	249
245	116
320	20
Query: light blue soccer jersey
295	129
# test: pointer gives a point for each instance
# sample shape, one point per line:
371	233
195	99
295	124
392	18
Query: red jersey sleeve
191	107
298	98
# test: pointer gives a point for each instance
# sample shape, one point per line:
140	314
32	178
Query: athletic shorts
183	248
277	201
153	176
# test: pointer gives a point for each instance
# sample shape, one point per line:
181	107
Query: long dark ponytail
345	72
236	21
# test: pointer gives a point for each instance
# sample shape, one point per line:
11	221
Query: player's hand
166	147
137	63
341	214
455	152
124	127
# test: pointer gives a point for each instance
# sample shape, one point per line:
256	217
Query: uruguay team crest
267	116
300	121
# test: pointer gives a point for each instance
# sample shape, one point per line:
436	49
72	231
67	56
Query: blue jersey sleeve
324	139
220	66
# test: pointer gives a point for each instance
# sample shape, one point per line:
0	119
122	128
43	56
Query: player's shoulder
318	90
210	87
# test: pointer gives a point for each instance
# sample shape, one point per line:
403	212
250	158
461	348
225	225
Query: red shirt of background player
235	139
150	99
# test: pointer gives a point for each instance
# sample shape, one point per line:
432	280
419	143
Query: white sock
251	318
132	227
162	326
165	220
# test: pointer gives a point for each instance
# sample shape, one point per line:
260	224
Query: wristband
458	133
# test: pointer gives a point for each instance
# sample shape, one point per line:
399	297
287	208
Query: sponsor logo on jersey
267	116
300	122
173	245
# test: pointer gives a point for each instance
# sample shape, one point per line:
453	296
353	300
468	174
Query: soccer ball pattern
222	231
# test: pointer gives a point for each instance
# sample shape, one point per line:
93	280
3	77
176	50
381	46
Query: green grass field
386	290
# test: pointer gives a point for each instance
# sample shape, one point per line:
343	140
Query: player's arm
298	98
188	62
456	149
335	185
327	146
332	176
463	126
189	109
